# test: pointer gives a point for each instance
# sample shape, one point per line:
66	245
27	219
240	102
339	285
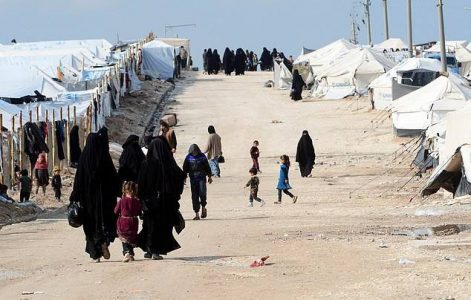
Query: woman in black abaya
305	155
216	62
209	61
240	59
265	60
160	186
228	61
130	159
96	187
297	86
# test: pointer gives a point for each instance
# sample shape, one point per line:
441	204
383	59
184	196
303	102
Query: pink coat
128	210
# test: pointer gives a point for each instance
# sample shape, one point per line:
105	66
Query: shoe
132	258
156	257
250	204
147	255
197	217
96	260
277	202
295	198
106	251
127	258
262	203
204	213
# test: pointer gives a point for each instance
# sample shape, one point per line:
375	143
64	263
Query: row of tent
413	91
75	72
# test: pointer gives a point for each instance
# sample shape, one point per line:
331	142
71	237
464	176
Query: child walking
197	166
57	183
283	180
128	209
26	185
255	154
41	173
254	183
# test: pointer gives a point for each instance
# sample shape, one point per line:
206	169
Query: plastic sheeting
283	77
158	60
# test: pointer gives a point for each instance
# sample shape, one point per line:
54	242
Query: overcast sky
249	24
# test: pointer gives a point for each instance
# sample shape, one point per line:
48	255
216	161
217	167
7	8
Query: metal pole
442	35
367	7
386	22
409	26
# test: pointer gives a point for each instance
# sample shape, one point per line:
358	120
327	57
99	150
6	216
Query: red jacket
128	210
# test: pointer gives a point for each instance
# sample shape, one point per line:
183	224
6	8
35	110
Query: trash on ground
260	262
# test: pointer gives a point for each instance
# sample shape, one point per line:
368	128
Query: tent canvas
158	60
392	43
282	76
100	48
418	110
382	86
354	70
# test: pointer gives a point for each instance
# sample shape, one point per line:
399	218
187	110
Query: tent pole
20	137
409	27
12	153
53	138
442	36
386	22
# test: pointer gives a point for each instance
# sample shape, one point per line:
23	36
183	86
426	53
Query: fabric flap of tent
158	60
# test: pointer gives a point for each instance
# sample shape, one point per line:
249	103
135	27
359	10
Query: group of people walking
149	187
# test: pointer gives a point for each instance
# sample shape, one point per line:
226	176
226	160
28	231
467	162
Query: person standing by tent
130	160
297	86
305	154
184	57
197	166
160	186
227	62
96	188
169	135
255	61
214	151
41	173
265	60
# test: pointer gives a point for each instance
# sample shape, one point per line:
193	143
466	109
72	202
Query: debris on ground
260	262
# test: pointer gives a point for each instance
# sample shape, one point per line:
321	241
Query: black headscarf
305	153
96	187
194	149
130	160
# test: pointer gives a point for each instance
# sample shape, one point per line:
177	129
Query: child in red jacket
128	209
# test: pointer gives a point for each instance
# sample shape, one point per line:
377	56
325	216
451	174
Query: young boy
253	183
57	183
255	153
25	186
197	166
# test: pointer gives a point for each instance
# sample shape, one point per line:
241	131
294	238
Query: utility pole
442	35
386	22
409	26
355	29
367	12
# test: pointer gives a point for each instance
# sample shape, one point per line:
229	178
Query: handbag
221	159
75	214
180	224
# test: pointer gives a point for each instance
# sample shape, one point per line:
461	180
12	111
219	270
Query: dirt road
350	236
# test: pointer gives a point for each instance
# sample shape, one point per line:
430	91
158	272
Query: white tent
17	81
382	86
309	64
418	110
100	48
392	43
8	111
462	52
351	74
158	60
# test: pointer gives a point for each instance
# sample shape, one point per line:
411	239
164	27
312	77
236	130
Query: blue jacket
282	185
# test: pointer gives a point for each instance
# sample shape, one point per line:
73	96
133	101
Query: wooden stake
67	126
20	137
37	114
75	115
12	153
31	116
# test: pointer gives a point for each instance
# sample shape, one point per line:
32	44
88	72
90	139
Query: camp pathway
333	243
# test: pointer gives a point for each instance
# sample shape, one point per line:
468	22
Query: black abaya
74	143
305	154
216	62
96	187
130	160
265	60
239	63
228	61
297	86
160	186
